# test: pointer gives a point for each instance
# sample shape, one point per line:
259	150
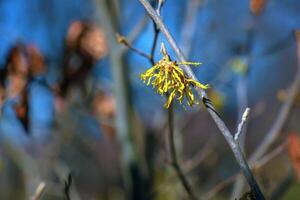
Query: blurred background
76	121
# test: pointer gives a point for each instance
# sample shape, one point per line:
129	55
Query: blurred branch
220	186
189	25
195	161
255	166
150	58
215	116
25	163
282	116
129	157
135	32
189	165
67	186
39	191
283	186
270	156
139	27
173	156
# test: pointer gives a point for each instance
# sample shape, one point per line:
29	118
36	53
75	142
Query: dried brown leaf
257	6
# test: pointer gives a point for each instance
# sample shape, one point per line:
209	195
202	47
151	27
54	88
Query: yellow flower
168	78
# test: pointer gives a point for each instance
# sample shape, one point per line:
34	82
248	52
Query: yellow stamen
168	78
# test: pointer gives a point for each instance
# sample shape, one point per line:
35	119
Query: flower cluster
168	78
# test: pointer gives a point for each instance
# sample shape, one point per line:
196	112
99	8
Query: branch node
159	5
163	49
122	40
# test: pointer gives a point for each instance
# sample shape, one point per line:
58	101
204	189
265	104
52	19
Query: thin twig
122	40
39	191
128	42
283	186
160	3
241	124
191	164
220	186
173	156
270	156
243	103
210	108
135	32
154	44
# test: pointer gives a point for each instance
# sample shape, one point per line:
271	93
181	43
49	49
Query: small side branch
241	124
154	44
39	191
122	40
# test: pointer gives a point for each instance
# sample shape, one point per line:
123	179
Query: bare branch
39	191
210	108
270	156
191	164
173	156
124	112
156	31
136	31
282	116
122	40
220	186
189	25
241	124
159	6
256	165
283	113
